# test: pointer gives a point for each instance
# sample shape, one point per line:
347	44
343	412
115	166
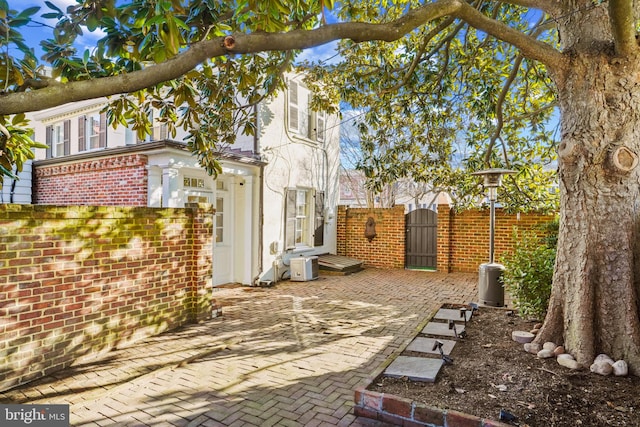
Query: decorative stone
603	358
545	353
549	346
558	350
620	368
568	363
601	367
522	336
532	348
565	356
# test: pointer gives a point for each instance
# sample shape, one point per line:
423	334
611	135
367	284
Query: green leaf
92	22
53	6
27	13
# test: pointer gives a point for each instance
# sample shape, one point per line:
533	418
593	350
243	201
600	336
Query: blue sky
34	35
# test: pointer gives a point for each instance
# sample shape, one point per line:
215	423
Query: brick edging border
401	411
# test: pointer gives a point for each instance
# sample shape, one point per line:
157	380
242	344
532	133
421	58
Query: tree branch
622	19
547	6
529	46
499	104
418	58
199	52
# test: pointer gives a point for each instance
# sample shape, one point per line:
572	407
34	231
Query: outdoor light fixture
492	180
490	286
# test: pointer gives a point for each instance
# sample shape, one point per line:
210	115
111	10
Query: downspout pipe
256	150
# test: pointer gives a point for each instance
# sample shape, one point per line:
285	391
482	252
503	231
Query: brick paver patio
290	355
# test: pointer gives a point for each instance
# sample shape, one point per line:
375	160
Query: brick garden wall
386	250
116	181
79	280
463	237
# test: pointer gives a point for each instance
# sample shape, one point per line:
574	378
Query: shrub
529	270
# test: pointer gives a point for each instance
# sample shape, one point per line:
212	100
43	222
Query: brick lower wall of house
386	250
80	280
116	181
463	237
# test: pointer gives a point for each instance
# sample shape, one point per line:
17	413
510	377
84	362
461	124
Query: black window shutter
318	234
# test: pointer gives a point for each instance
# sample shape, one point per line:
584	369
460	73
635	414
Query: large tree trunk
594	305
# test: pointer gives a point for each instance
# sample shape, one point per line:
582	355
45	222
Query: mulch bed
491	373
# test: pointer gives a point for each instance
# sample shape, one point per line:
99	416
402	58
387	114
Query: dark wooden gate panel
421	239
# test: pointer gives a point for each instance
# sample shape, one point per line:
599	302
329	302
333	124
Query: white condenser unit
304	268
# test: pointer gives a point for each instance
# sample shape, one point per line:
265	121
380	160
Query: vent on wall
304	269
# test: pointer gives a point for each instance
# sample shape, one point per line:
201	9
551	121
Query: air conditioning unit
304	269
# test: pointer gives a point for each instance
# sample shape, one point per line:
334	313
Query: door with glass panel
223	250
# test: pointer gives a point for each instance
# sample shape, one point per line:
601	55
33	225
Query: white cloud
325	53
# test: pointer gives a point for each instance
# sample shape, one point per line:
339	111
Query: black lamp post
490	287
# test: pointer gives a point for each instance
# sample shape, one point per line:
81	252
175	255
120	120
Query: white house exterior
275	199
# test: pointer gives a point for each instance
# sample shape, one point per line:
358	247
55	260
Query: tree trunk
594	306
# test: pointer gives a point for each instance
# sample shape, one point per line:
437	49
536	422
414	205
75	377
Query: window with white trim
92	131
58	139
302	217
302	121
220	220
304	212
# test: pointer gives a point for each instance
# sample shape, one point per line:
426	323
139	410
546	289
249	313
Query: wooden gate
421	239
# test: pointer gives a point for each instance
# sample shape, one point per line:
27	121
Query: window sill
301	249
300	137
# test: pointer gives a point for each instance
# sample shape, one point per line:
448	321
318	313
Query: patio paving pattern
289	355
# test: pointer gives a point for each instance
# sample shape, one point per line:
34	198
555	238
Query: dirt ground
491	372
